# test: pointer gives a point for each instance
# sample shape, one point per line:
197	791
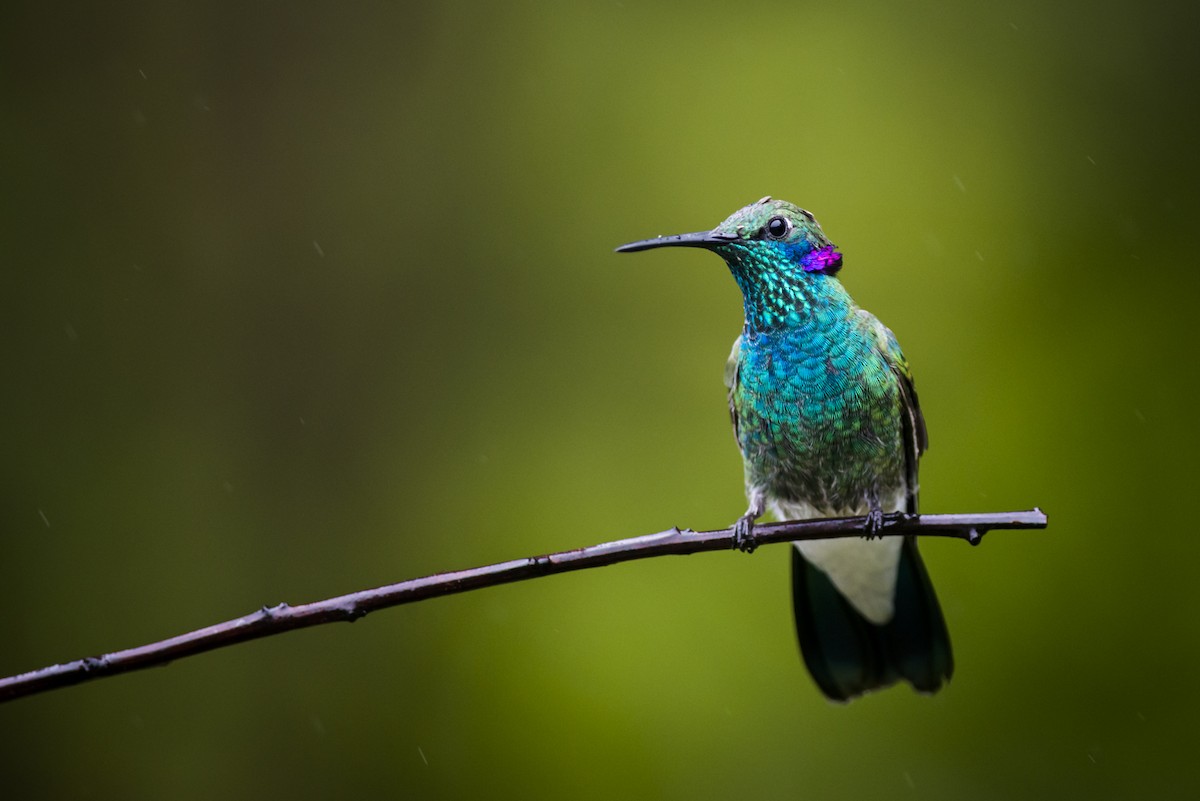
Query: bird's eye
778	227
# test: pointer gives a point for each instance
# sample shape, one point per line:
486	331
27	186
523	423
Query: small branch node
269	612
352	612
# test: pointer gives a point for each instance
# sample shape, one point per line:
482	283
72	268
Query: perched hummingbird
827	420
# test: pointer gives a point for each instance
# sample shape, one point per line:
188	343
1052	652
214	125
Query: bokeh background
302	298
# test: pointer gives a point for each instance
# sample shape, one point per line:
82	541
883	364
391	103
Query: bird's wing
916	438
731	380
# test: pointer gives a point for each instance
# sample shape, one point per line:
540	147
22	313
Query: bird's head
769	234
773	248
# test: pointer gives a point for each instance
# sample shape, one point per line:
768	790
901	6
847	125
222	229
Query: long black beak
703	239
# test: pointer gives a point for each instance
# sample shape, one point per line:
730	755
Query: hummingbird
826	417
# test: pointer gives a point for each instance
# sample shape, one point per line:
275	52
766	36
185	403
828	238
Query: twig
277	619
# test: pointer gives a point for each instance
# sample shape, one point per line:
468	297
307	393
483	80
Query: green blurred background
302	298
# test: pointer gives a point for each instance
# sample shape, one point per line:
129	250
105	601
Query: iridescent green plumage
828	423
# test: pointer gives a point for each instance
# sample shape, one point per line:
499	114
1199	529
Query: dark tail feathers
848	655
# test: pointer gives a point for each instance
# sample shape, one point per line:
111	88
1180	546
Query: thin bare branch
278	619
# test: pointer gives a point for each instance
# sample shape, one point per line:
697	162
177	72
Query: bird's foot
873	527
743	534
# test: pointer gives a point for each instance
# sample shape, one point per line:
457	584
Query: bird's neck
776	301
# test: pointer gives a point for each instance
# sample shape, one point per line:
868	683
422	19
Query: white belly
864	571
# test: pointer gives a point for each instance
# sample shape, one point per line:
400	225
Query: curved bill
703	239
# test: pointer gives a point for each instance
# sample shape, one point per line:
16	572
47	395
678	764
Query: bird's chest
815	413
